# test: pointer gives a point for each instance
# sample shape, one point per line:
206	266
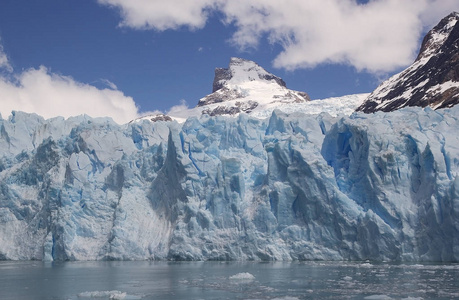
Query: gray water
223	280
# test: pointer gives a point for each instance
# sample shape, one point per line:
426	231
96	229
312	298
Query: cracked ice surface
286	187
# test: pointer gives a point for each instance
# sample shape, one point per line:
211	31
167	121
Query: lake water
227	280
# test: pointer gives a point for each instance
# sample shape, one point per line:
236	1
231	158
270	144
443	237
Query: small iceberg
242	276
112	295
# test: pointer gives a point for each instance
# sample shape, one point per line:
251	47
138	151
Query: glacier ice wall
379	187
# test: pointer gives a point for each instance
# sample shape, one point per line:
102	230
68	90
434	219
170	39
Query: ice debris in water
242	276
378	297
115	295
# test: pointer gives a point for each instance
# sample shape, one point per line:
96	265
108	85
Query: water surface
227	280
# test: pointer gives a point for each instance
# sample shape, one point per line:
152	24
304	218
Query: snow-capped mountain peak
436	37
432	80
241	70
244	86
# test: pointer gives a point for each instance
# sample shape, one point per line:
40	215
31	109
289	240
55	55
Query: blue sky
156	57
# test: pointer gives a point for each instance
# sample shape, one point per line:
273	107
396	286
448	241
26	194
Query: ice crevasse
382	187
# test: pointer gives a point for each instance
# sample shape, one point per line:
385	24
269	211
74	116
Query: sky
127	58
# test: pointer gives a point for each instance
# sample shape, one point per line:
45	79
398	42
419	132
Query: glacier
291	186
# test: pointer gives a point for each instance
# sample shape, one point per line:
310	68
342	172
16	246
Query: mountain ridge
432	80
246	87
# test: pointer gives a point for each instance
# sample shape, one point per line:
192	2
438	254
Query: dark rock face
239	107
221	76
432	80
155	118
161	117
221	95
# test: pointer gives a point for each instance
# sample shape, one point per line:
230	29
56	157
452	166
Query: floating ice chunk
418	266
378	297
242	276
366	265
112	295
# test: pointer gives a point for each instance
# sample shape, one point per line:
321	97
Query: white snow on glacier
289	186
343	105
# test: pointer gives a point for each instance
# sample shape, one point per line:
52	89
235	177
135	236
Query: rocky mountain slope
432	80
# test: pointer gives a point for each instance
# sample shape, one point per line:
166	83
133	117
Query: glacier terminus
382	187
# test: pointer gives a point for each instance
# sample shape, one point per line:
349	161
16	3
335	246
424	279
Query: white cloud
379	36
50	95
182	111
178	109
4	62
436	10
162	15
108	83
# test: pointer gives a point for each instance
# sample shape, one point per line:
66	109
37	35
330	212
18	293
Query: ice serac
432	80
288	187
245	86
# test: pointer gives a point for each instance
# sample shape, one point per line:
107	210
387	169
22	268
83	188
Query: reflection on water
227	280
